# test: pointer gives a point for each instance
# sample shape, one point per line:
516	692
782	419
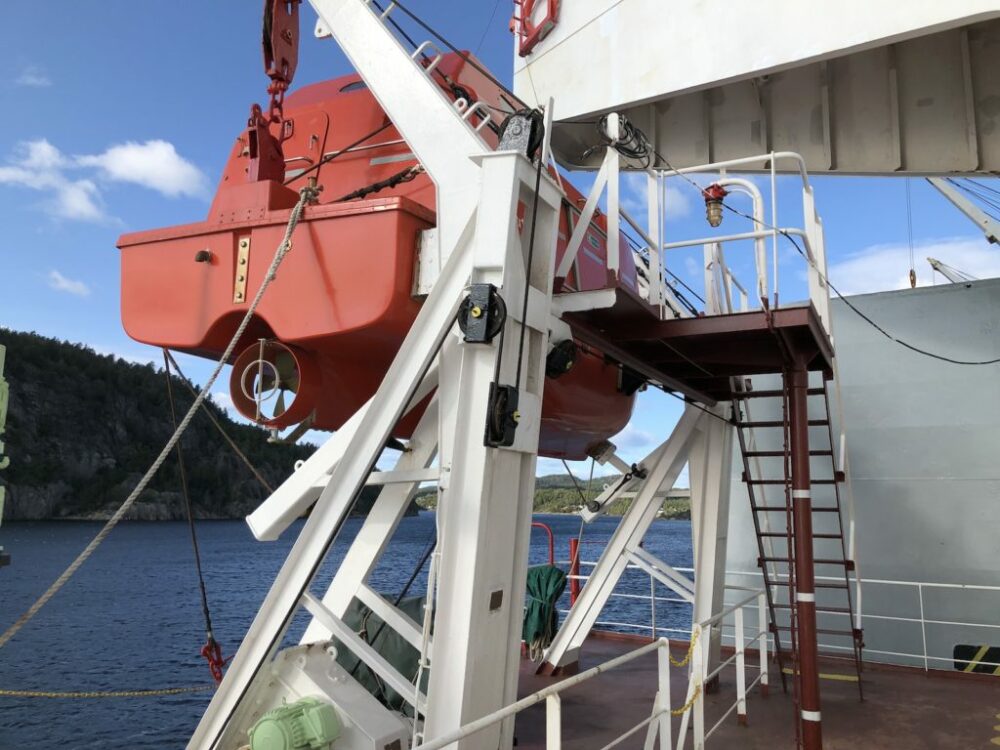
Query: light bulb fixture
713	195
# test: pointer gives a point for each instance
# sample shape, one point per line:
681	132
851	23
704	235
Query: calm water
131	619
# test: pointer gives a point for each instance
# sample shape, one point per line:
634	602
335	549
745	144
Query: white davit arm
986	223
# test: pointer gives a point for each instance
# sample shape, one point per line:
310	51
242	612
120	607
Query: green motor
307	724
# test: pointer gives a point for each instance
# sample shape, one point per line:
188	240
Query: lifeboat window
353	86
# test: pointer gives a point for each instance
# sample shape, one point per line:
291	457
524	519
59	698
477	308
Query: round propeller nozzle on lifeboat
274	384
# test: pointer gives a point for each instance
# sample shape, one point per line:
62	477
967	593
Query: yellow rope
684	662
104	693
687	706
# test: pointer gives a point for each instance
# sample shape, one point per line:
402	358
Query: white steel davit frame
485	492
477	585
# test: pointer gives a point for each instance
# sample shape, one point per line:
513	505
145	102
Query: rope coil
307	195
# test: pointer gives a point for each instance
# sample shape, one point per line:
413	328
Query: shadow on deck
903	707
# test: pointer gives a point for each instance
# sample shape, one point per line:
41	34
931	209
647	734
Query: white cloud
71	286
884	267
632	437
40	166
677	201
31	76
224	401
154	164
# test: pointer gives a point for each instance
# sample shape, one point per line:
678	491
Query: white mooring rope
307	195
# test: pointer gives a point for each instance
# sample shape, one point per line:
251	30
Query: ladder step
781	454
785	481
818	585
824	631
779	423
784	535
772	393
783	509
818	561
831	610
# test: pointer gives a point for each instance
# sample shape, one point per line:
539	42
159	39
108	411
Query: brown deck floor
902	708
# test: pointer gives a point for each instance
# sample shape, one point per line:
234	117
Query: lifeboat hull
343	299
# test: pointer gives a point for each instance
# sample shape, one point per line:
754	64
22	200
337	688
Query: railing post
574	570
764	636
741	673
663	695
699	660
652	605
553	722
613	217
923	625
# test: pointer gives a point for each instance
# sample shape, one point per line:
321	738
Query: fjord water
130	619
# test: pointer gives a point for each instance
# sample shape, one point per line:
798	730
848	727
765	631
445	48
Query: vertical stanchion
574	570
699	659
923	624
797	381
553	722
652	606
763	645
741	669
663	694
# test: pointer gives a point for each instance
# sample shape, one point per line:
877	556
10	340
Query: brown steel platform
697	356
903	708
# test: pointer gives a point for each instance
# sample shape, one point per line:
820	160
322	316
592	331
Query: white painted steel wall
854	86
924	441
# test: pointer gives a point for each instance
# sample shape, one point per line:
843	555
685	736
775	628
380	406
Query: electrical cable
630	143
576	484
527	270
489	24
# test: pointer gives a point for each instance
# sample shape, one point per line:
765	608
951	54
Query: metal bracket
242	270
482	314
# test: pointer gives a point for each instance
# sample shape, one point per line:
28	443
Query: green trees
83	427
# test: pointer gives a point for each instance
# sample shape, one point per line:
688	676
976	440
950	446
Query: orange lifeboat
329	326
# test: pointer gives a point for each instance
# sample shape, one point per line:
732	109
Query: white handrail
507	711
923	621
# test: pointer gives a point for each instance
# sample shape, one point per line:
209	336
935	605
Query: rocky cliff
83	427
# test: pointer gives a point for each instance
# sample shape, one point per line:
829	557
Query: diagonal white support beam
668	464
380	523
664	573
391	616
363	650
419	348
296	494
583	224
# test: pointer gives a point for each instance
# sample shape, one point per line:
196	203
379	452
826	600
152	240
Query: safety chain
104	693
687	659
687	706
306	196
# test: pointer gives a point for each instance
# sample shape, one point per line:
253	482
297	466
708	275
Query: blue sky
120	119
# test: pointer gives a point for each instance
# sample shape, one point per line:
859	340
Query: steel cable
307	195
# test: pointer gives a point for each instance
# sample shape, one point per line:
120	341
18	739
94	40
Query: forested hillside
83	427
